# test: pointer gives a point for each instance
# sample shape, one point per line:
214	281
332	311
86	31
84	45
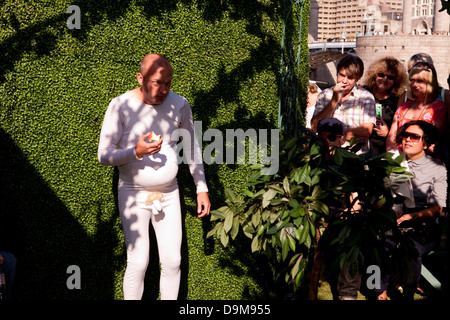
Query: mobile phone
379	109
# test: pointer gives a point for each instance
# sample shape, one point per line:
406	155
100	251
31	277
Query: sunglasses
413	137
422	64
382	75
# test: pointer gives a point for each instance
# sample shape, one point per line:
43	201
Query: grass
324	293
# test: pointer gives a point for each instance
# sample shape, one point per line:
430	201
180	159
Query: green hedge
58	204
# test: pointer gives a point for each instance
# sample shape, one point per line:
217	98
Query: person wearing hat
333	130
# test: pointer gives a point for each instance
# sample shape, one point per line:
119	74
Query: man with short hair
348	102
140	135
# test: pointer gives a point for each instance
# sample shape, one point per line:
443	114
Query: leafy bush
58	203
307	208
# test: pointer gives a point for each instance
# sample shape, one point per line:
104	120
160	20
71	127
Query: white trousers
136	216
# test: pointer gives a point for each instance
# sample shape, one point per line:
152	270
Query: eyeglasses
413	137
382	75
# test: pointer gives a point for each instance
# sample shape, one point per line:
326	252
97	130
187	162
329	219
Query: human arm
391	144
325	107
432	211
362	132
111	134
436	200
192	153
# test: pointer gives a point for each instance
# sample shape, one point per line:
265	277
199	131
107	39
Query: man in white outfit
148	170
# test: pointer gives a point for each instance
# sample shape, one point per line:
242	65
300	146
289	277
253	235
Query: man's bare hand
147	148
203	204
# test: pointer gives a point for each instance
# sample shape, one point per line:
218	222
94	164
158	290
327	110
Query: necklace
412	105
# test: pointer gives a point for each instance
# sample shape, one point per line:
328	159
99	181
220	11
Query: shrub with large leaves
285	214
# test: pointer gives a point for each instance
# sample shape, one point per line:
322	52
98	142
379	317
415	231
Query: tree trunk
315	272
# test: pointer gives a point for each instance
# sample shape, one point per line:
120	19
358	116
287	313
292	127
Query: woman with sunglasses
429	186
386	79
423	92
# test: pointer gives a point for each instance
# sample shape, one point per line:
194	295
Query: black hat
332	125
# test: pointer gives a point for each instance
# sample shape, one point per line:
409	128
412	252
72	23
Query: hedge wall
58	204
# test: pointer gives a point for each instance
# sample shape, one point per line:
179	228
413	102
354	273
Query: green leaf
256	166
297	212
224	238
318	193
303	175
255	244
295	269
315	149
287	144
294	203
248	193
230	195
277	188
219	213
235	228
214	229
285	248
292	242
312	229
260	230
286	185
265	215
256	217
249	231
302	232
228	221
267	196
277	227
275	215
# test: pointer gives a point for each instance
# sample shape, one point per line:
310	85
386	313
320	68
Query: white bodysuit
125	121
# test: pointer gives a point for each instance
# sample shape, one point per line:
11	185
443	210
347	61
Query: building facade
422	17
332	20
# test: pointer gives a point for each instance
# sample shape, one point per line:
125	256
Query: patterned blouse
435	112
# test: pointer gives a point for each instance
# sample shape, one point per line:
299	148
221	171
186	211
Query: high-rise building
348	19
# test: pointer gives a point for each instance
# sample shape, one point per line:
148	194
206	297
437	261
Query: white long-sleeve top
127	119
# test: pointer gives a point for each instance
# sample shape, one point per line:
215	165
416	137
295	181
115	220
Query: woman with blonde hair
386	79
423	90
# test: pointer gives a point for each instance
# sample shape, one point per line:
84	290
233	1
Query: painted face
412	142
156	86
347	80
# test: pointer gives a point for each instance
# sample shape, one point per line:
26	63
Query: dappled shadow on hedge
41	36
38	228
43	215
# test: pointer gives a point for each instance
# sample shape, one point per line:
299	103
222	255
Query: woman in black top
386	79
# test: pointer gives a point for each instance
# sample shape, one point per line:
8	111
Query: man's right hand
147	148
